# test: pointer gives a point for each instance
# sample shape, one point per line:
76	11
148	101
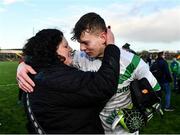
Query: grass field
13	119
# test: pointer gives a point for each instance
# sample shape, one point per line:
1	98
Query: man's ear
103	37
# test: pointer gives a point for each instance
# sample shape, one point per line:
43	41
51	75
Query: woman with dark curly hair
65	99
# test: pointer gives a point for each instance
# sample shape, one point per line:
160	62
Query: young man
90	32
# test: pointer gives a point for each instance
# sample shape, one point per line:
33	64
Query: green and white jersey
131	67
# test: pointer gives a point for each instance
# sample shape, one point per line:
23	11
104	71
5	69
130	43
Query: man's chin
90	55
95	56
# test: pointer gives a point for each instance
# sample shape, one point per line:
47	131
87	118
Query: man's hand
24	81
110	36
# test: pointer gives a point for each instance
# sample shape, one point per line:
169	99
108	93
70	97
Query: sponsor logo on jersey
124	89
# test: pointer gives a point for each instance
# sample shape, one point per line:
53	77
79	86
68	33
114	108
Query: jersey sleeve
143	71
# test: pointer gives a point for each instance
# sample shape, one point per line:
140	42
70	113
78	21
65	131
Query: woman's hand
24	81
110	36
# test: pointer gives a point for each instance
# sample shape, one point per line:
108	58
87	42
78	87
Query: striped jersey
131	67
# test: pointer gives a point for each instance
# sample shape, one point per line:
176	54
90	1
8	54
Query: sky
145	24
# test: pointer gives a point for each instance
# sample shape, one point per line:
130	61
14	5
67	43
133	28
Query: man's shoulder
128	57
126	54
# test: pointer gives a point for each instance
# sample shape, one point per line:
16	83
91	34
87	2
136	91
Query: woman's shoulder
53	71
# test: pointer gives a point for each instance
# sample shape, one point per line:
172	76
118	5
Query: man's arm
24	81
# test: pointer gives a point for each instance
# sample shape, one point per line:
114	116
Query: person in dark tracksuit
65	99
165	80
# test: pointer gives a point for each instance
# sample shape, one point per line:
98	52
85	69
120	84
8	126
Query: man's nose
82	47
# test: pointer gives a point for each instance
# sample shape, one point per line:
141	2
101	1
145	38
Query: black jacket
67	100
166	75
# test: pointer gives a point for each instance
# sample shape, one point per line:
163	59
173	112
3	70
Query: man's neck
100	58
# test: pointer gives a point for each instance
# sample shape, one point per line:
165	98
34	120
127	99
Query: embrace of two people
77	92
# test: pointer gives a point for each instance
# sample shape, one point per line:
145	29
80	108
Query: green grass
12	116
169	124
13	119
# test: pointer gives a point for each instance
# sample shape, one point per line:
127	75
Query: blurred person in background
126	47
165	80
149	59
174	69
